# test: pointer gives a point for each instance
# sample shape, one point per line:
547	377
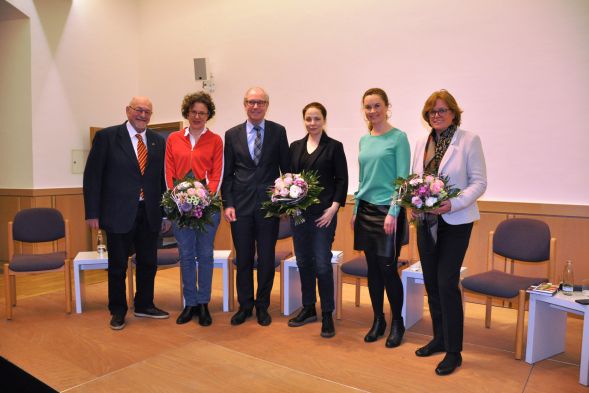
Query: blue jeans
313	252
192	244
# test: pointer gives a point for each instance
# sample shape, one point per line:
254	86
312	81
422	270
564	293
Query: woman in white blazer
458	154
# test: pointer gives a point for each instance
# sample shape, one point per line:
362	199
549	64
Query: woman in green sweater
378	225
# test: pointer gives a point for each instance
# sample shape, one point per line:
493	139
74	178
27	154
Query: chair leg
13	289
181	288
130	286
7	292
488	308
519	330
338	304
68	286
357	292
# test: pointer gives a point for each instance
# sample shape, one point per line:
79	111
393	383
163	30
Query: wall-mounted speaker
200	69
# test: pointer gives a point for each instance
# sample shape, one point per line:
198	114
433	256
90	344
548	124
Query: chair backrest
284	230
38	224
522	239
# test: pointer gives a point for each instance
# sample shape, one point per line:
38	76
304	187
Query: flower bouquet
190	203
293	193
424	193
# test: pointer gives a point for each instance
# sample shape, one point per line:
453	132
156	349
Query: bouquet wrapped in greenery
190	203
292	194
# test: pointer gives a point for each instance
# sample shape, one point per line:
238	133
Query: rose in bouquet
293	193
190	203
424	193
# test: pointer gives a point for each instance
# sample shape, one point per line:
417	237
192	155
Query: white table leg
412	300
546	331
77	288
584	372
225	268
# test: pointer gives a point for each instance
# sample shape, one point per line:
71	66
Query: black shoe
117	322
306	315
429	349
151	312
327	328
451	361
396	335
264	318
377	330
204	318
187	314
240	316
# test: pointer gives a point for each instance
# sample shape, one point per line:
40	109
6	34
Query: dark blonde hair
376	91
191	99
445	96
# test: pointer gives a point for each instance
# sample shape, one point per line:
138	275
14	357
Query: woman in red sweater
196	149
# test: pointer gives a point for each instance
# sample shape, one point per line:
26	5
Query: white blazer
464	164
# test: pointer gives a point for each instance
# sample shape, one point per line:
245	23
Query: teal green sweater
382	159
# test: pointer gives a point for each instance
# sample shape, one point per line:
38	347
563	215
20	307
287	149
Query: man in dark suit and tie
123	186
255	154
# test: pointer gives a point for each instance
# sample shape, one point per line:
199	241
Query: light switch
79	160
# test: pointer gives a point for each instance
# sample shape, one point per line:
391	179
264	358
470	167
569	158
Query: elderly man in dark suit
255	153
123	186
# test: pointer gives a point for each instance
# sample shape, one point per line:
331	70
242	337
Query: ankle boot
306	315
204	316
187	314
396	335
377	330
327	328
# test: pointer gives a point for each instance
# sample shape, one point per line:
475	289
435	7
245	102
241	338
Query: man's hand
230	214
93	223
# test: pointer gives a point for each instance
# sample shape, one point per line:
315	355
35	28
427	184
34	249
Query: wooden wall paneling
72	208
9	206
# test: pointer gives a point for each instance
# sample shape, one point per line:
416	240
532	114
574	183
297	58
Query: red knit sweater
205	159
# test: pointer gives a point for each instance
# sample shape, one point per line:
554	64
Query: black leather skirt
369	232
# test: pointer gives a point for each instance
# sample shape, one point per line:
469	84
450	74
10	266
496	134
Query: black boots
327	328
204	316
187	314
377	330
306	315
451	361
396	335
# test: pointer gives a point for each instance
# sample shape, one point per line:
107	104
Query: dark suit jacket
112	180
245	185
329	160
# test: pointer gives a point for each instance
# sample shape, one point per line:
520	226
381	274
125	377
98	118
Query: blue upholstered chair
29	228
357	269
516	240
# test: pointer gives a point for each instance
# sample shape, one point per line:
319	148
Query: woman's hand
327	215
444	208
390	222
353	221
415	214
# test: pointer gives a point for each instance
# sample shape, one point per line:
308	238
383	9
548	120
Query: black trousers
441	274
143	242
250	234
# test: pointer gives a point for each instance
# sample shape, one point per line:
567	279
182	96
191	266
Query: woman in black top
313	238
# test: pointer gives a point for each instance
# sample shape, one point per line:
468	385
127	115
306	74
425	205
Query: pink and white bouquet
190	204
291	194
424	192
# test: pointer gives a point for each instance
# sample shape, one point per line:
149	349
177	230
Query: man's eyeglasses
252	103
439	112
199	114
142	111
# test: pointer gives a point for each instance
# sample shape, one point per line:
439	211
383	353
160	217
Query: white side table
413	292
86	260
292	282
547	328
